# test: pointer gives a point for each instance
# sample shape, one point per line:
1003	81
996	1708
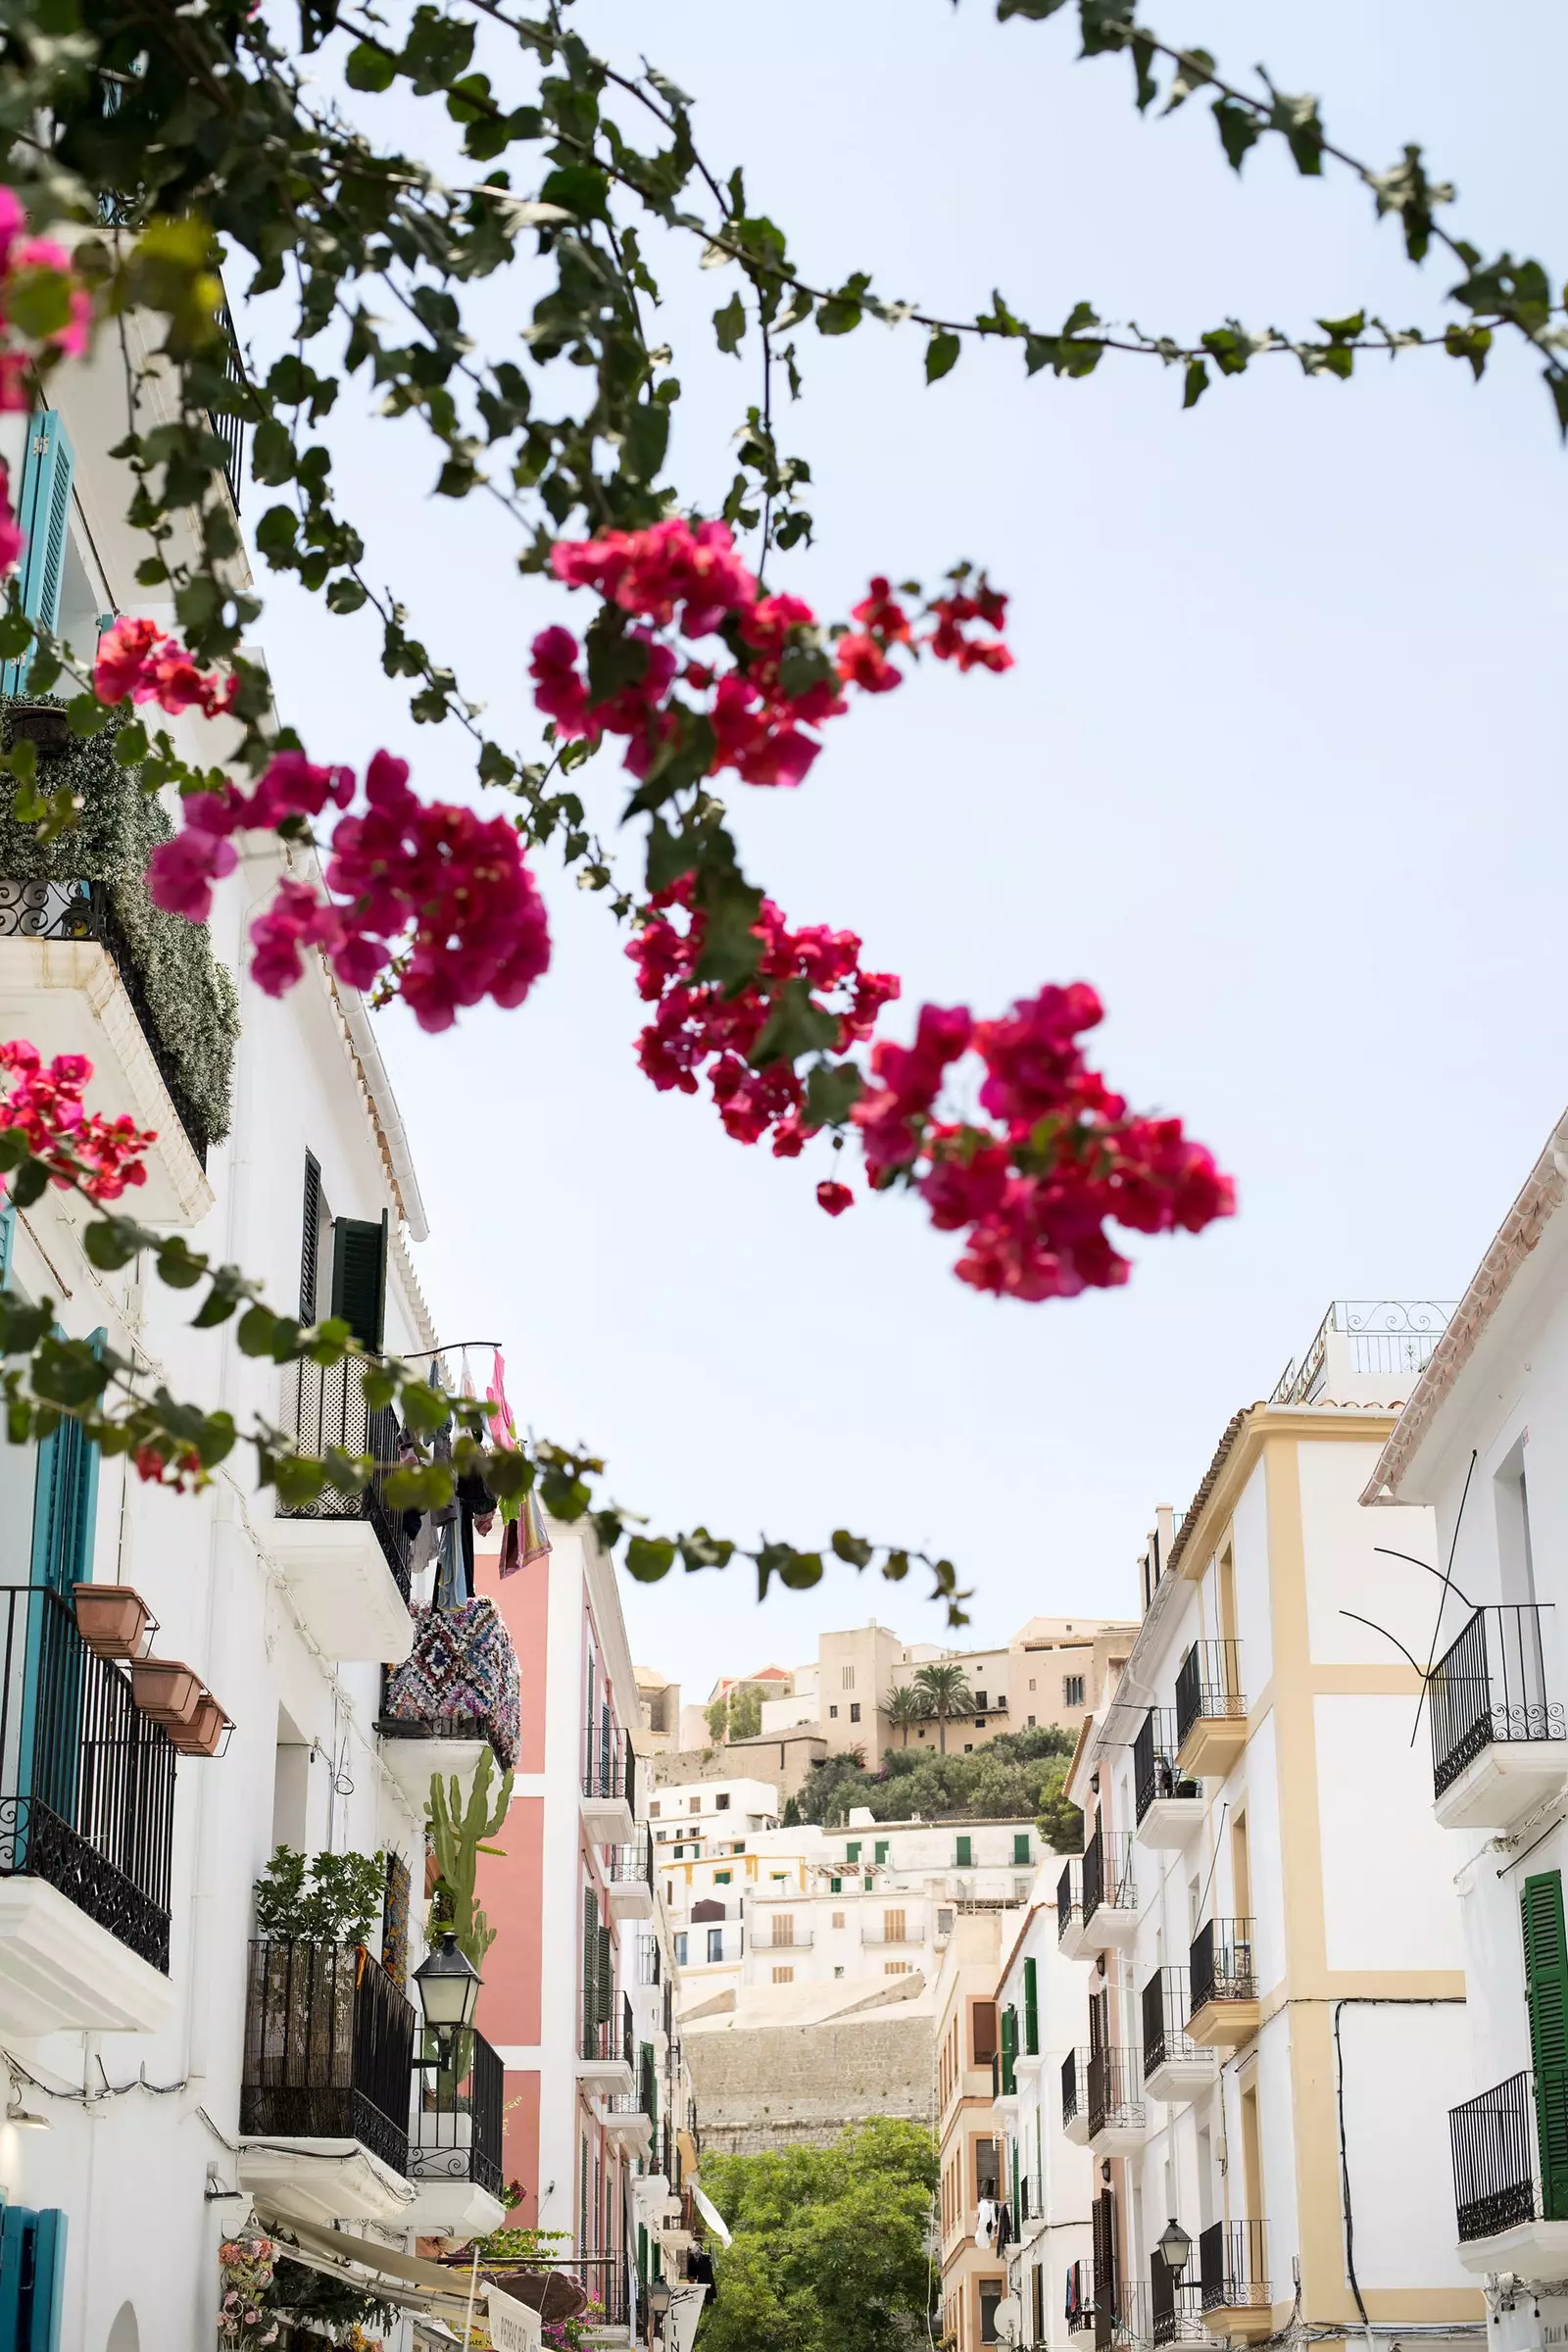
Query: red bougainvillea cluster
429	891
137	660
46	304
781	677
701	1029
1034	1189
79	1145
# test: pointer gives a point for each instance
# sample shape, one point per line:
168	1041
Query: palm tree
906	1705
946	1694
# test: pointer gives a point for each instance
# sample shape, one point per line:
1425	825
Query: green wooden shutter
881	1849
851	1853
590	1972
309	1239
43	511
1031	2009
965	1854
1010	2049
607	1979
359	1278
1547	1991
1020	1846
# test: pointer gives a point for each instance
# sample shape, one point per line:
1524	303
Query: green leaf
1239	128
256	1331
1470	343
578	188
367	68
130	744
273	455
729	324
1296	120
647	437
841	314
1556	383
1036	10
649	1558
28	1184
832	1090
1146	88
1196	383
1105	25
1195	68
854	1548
941	355
113	1242
797	1024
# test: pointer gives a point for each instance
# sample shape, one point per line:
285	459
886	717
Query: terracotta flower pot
166	1690
207	1734
112	1620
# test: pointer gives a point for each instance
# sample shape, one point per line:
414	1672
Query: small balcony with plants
1169	1801
1176	2068
1075	2098
1110	1893
344	1553
1211	1709
1499	1738
1510	2177
90	1727
89	966
1233	2281
1118	2117
1222	1974
1071	1940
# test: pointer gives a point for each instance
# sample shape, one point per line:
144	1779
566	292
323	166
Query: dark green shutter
590	1973
851	1853
1031	2009
1547	1991
1010	2049
606	1980
309	1239
965	1855
1020	1846
359	1278
43	511
881	1849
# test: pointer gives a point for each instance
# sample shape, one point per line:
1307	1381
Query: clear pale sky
1280	769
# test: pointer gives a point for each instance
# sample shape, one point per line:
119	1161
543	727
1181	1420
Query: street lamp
448	1986
1174	2248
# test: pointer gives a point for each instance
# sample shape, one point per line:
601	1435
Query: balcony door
1546	1992
42	1740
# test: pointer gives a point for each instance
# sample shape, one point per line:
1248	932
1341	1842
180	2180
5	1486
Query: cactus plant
457	1834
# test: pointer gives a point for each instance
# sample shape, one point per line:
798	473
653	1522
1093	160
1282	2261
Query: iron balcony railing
624	1865
1233	2266
1175	2307
1208	1683
1074	2086
1394	1336
87	1778
914	1932
82	910
1496	2141
1156	1771
230	428
1222	1964
1489	1688
606	2280
1115	2090
609	1768
329	2048
456	2134
325	1409
1069	1897
1031	2197
1167	2005
765	1937
1108	1873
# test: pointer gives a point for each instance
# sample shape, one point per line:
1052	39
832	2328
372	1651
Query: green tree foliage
945	1692
829	2251
1017	1777
323	1899
903	1706
736	1714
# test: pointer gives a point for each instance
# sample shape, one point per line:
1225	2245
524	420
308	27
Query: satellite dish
1008	2320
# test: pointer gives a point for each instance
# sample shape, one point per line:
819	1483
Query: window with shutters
32	2279
895	1968
838	1919
982	2033
784	1926
1031	2010
1020	1846
893	1928
851	1853
881	1849
315	1221
359	1278
716	1943
1546	1993
1072	1689
783	1975
963	1855
848	1678
43	510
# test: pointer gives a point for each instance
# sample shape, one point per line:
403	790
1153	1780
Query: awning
407	2281
712	2215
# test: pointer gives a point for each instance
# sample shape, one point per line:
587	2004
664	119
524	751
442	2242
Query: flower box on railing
113	1620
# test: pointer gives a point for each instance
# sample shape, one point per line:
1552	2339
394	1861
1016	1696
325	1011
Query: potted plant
113	1620
166	1690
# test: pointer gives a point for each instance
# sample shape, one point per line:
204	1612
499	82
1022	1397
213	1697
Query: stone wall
784	1758
768	2086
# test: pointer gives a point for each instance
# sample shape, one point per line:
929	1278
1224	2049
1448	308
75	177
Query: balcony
1225	2007
1075	2098
455	2146
629	1878
1233	2281
1176	2068
453	1696
912	1932
1031	2203
609	1792
72	982
1119	2120
1507	2223
765	1937
1365	1352
627	2119
344	1557
1071	1941
1110	1893
327	2062
1500	1745
86	1825
607	2053
1211	1711
1175	2307
1170	1802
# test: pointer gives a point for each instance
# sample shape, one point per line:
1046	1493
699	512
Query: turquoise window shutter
8	1230
32	2279
48	2282
43	511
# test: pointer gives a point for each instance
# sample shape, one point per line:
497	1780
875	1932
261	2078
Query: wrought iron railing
1496	2166
1233	2266
1074	2086
624	1865
326	1408
1396	1336
83	911
329	2048
606	2280
1489	1688
1175	2307
765	1937
1108	1873
1156	1771
1208	1683
1222	1963
230	429
1031	2197
609	1768
1167	2005
1115	2090
458	2128
87	1778
1069	1897
914	1932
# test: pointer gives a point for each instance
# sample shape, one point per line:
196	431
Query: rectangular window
832	1710
835	1885
1020	1846
982	2033
680	1951
992	2291
837	1916
721	1801
854	1710
716	1943
694	1804
780	1877
721	1878
1072	1689
783	1975
852	1852
893	1928
963	1857
980	1700
783	1926
738	1847
895	1968
881	1849
848	1678
359	1277
987	2168
652	1809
